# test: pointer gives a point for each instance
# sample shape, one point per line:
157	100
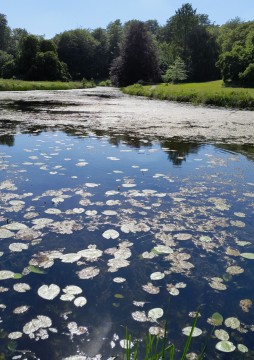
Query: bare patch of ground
108	109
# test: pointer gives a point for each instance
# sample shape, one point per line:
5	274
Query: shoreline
108	109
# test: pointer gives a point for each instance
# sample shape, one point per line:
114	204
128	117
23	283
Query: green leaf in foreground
187	344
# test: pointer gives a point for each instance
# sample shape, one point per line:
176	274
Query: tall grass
209	93
157	348
20	85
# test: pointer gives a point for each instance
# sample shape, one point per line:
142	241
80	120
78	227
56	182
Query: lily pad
35	270
217	319
5	234
67	297
155	314
49	292
80	301
15	335
139	316
20	309
157	275
196	331
119	296
163	249
6	274
18	247
17	276
15	226
242	348
232	323
221	335
88	273
234	270
225	346
151	289
110	234
72	289
21	287
119	280
249	256
70	258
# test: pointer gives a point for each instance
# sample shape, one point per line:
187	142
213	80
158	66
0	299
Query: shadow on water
35	106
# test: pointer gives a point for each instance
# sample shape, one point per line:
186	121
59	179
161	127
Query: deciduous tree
76	48
138	58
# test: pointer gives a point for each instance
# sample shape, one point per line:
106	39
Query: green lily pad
17	276
248	256
217	319
35	270
118	296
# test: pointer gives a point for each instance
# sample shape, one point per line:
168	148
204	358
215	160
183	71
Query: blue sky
49	17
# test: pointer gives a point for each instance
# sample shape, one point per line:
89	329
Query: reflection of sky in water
195	200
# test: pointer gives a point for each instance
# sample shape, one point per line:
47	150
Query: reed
157	348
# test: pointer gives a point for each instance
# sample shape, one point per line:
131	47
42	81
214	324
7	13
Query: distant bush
105	83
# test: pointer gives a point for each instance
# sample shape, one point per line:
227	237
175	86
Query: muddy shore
108	109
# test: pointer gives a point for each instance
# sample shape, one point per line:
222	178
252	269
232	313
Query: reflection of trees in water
7	131
178	150
245	149
127	139
8	140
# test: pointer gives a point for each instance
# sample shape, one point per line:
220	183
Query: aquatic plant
156	346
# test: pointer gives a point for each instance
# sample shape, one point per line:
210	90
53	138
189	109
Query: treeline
187	48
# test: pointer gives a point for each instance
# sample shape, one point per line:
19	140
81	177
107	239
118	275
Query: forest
188	48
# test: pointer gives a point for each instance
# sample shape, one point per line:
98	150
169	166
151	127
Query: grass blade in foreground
187	345
156	348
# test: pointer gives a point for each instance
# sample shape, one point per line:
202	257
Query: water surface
147	223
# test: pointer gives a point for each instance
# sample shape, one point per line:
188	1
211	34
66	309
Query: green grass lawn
20	85
208	93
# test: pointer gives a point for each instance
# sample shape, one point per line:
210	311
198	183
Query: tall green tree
138	58
47	66
203	55
179	26
152	26
4	58
38	60
115	35
236	64
4	32
15	41
29	47
188	36
101	54
77	48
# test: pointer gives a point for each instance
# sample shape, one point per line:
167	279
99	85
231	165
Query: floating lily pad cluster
79	227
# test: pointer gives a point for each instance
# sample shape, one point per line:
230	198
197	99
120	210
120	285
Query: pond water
97	229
